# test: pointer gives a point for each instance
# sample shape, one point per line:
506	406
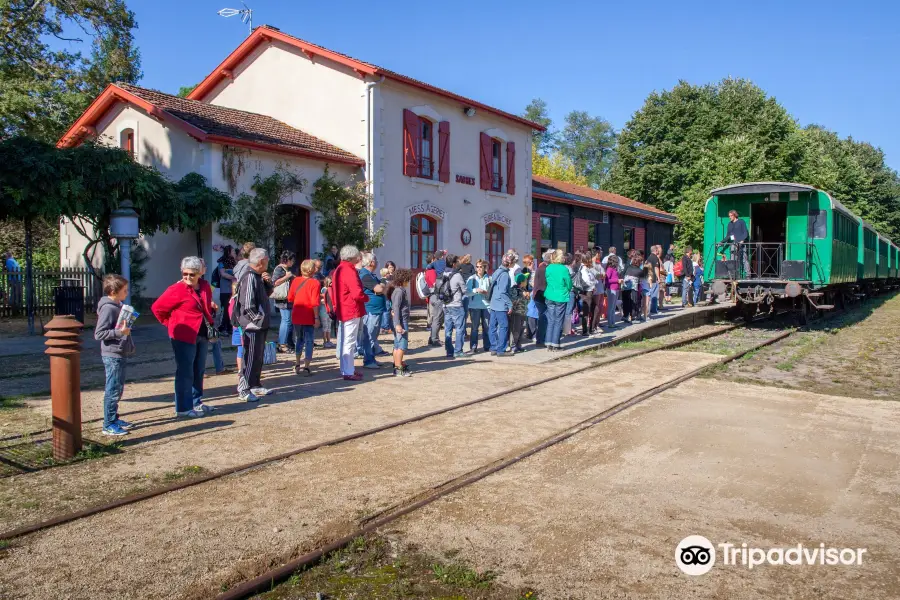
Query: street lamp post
123	225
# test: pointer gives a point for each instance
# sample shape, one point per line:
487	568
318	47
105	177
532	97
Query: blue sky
832	63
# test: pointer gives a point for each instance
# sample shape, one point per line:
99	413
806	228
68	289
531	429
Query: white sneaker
249	398
190	413
260	391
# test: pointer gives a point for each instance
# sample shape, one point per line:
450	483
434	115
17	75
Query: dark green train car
806	250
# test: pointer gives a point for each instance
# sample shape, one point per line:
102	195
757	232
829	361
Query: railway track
265	581
139	497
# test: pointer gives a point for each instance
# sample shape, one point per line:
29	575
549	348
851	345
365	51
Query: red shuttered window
411	124
425	167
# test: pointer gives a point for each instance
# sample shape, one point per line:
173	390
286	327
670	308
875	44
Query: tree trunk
29	279
199	244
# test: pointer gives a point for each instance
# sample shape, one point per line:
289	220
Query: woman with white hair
349	308
186	309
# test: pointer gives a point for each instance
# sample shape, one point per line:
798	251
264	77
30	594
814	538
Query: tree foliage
555	166
686	141
185	90
590	144
43	90
345	211
537	112
256	217
86	183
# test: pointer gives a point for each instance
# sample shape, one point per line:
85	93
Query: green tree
42	90
345	212
555	166
256	216
185	90
536	111
590	143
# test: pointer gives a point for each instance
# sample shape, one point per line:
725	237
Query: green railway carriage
805	249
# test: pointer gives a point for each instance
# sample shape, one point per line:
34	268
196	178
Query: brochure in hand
127	317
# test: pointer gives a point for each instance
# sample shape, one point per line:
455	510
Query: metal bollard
64	348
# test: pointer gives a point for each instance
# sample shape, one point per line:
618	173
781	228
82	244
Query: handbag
212	333
280	293
270	354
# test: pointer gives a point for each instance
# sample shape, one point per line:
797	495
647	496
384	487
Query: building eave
554	196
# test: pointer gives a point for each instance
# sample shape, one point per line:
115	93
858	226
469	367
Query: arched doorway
422	242
292	233
493	244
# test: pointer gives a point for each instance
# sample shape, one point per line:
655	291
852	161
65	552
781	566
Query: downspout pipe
370	151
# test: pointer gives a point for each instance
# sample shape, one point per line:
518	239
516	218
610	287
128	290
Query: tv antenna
245	13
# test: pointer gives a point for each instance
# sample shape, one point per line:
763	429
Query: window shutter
444	159
510	167
486	170
410	142
580	241
640	238
536	228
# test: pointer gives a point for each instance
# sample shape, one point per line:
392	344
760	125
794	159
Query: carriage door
768	221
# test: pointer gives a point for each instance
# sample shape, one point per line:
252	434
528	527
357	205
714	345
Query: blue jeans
218	361
698	288
612	298
556	314
466	329
567	321
542	321
190	362
480	317
686	286
303	340
286	329
654	298
386	317
115	387
454	318
368	337
499	332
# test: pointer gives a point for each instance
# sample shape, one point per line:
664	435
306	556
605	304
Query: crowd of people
346	301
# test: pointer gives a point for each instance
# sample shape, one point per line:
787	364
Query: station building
444	171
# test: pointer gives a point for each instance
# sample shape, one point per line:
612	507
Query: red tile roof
590	195
239	125
207	122
265	33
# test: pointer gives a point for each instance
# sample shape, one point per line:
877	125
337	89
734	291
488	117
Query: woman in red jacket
186	308
304	300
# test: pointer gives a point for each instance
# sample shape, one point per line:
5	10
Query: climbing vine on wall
233	165
344	213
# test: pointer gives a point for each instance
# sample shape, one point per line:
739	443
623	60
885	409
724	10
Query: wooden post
64	348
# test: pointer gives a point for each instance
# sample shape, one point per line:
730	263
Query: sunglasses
191	275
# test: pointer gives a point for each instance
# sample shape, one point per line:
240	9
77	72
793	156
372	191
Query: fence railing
46	282
757	260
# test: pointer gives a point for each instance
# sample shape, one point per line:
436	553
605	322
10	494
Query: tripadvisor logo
696	555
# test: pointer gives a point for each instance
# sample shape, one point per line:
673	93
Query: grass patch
182	473
375	567
11	402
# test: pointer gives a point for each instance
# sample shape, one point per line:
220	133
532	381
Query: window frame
542	239
127	141
497	175
627	244
416	252
425	141
817	219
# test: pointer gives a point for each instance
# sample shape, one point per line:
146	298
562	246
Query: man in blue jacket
501	305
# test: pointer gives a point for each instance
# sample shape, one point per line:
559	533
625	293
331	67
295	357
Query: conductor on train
737	235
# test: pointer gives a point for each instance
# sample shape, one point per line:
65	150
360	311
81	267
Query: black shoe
506	354
493	353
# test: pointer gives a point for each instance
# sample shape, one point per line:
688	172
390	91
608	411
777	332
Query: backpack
216	276
442	290
329	304
579	284
678	269
422	287
236	306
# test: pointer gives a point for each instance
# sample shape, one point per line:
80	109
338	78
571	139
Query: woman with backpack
585	283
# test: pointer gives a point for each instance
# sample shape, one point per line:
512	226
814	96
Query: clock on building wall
466	237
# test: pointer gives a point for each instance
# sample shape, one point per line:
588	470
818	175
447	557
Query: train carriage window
818	224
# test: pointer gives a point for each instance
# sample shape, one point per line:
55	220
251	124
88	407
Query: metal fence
757	260
46	283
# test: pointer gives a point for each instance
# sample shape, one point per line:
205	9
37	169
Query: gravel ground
193	542
600	515
854	355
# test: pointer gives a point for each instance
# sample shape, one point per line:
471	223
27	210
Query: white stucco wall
318	96
457	206
176	154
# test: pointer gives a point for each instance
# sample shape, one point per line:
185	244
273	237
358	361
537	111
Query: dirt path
600	515
191	543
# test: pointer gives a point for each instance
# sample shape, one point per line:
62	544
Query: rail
764	260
